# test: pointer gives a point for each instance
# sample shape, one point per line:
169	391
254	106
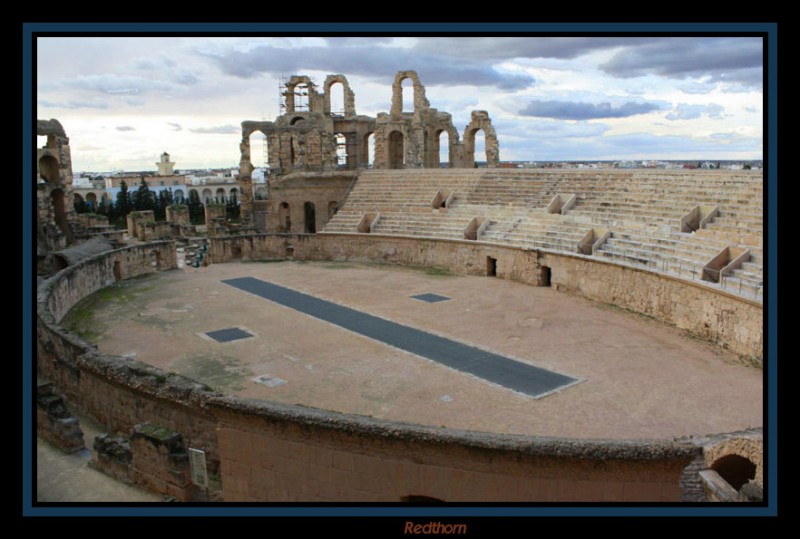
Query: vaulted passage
494	368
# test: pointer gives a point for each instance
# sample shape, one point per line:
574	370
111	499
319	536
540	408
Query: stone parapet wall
733	322
264	451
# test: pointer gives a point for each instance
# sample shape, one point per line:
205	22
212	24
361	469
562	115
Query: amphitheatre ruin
409	332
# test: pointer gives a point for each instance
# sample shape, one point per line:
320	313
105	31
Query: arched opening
396	150
417	498
407	95
333	207
296	120
341	150
442	149
91	201
370	150
258	143
60	212
336	95
310	218
79	203
301	97
735	469
207	196
48	169
479	148
284	219
233	192
261	193
220	196
178	196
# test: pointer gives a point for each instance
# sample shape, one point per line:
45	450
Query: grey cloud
174	126
376	63
685	111
572	110
751	109
125	128
527	129
497	48
74	104
114	84
729	59
356	41
220	129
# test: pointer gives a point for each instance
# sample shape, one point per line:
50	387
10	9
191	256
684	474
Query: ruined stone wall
326	457
263	451
299	188
54	194
728	320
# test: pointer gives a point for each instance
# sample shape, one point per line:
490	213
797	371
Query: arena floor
635	378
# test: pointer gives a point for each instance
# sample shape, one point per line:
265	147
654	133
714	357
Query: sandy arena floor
639	378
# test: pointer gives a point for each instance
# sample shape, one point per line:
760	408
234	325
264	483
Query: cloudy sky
124	100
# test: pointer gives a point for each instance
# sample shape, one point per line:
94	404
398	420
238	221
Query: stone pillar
245	181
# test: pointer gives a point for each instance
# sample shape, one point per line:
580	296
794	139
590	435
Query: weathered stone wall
136	217
731	321
320	456
266	451
299	188
728	320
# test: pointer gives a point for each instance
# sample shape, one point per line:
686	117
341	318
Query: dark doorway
117	270
734	469
396	149
284	220
310	218
491	266
544	276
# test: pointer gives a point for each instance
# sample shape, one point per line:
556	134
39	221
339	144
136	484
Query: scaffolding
299	95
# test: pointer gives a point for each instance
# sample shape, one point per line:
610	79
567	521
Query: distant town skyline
125	100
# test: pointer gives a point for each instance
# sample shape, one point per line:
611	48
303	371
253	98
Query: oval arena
408	334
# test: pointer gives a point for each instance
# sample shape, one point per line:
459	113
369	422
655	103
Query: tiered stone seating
642	210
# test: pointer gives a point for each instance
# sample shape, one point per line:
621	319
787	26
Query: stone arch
481	121
420	101
48	169
207	196
299	94
91	200
310	218
220	195
179	195
296	120
348	97
284	218
233	192
368	150
452	143
342	156
396	149
735	469
79	203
